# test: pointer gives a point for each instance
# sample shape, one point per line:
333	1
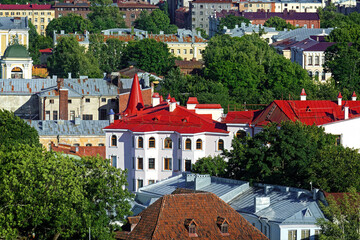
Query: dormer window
223	225
224	228
190	224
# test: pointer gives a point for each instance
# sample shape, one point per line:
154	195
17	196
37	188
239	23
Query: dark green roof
16	51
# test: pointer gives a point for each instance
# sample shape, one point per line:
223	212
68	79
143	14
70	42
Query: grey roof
287	205
11	23
300	34
68	128
241	30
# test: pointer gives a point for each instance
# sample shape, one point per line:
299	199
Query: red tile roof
241	116
208	106
320	47
170	216
47	50
25	6
82	150
192	100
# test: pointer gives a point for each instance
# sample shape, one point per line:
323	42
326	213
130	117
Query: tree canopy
148	55
278	23
155	22
69	57
230	21
215	166
37	42
105	16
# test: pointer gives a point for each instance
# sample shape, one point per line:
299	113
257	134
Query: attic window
308	109
184	120
190	224
223	225
224	228
155	119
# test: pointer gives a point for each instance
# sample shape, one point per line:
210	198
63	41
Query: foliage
69	57
70	24
148	55
155	22
183	86
108	54
278	23
343	61
37	42
15	131
252	70
230	21
343	217
55	196
282	155
164	6
105	16
26	1
215	166
346	34
202	32
329	17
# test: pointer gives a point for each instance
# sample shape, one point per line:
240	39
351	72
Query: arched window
167	143
188	144
316	75
199	144
88	145
152	142
310	74
240	134
140	142
113	141
220	145
323	76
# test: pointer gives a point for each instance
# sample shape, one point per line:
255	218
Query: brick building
78	7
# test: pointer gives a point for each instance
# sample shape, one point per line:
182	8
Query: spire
303	93
353	97
135	102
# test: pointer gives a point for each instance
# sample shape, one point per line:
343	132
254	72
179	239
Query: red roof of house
170	216
47	50
208	106
241	116
159	118
82	150
192	100
25	6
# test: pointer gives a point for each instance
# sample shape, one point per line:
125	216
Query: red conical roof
354	94
339	95
303	93
168	97
135	102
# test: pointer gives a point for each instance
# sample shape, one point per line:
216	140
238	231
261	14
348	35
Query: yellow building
39	15
11	28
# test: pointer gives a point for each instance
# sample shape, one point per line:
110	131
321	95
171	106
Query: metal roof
11	23
302	33
68	128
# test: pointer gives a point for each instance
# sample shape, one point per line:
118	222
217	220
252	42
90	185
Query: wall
21	105
71	140
6	37
187	50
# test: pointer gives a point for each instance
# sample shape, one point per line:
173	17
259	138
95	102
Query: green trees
70	24
215	166
148	55
37	42
155	22
248	66
230	21
69	56
278	23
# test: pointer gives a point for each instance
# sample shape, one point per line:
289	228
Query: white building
161	141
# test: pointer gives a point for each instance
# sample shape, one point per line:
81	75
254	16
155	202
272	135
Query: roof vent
261	203
339	97
353	97
303	95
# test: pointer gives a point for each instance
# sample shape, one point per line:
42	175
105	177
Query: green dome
16	51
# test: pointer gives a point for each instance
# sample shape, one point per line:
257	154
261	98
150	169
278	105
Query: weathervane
15	39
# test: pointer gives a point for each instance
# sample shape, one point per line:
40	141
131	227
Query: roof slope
167	217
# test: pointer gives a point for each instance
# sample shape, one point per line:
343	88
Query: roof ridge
158	218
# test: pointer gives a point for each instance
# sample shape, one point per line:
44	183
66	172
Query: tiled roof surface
285	206
241	116
305	44
168	216
136	5
47	50
189	64
159	118
208	106
80	151
321	46
9	23
25	6
68	128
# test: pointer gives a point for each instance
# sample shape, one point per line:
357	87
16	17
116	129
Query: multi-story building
257	5
78	7
201	10
39	15
310	6
12	28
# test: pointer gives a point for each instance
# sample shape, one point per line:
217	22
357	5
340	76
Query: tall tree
230	21
278	23
148	55
215	166
155	22
69	57
346	34
37	42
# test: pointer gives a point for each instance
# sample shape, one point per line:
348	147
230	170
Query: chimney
69	75
111	116
315	191
339	97
261	202
63	104
191	103
155	99
346	110
202	181
168	98
303	95
353	97
172	105
59	82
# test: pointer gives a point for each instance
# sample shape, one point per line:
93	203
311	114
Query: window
316	75
42	13
55	115
151	163
178	51
140	164
188	144
292	235
240	134
140	183
72	115
199	144
76	145
140	142
338	140
310	74
36	20
310	60
220	145
17	13
49	20
42	20
152	142
317	233
87	100
87	117
192	228
187	165
113	161
113	141
179	164
88	145
51	101
191	51
6	13
151	182
172	50
312	25
224	228
132	15
305	234
167	143
103	114
101	144
12	13
69	101
323	76
201	6
323	60
201	13
49	13
103	99
179	143
317	60
184	51
167	164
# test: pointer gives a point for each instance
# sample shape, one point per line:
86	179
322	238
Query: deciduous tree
215	166
230	21
278	23
155	22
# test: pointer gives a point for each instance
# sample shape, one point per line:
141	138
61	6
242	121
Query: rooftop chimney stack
172	105
346	111
339	97
63	103
168	99
155	99
353	97
303	95
111	116
69	75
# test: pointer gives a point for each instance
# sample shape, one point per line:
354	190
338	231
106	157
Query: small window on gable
113	141
190	224
223	225
140	142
